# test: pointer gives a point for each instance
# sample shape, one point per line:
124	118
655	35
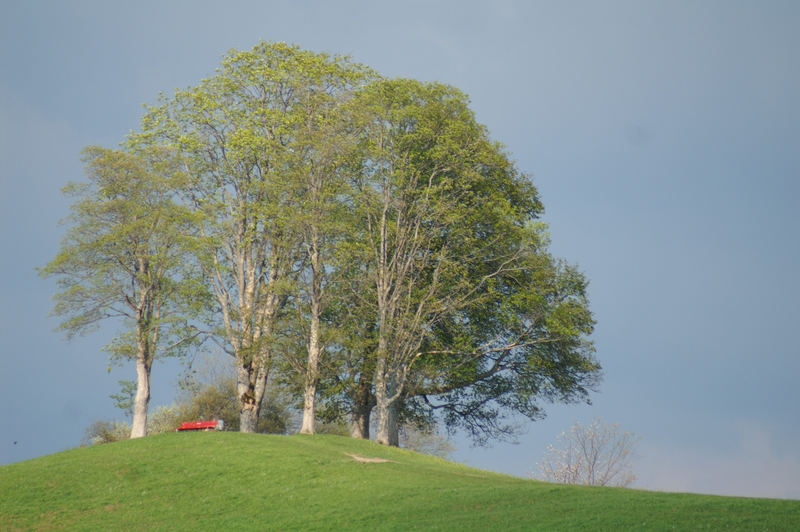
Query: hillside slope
232	481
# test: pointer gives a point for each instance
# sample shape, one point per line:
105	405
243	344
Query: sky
663	137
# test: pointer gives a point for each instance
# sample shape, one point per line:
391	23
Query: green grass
229	481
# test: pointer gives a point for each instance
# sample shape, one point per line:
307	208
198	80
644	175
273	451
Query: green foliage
124	399
229	481
118	257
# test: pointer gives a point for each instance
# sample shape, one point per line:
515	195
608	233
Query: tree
325	143
451	271
417	146
121	257
598	455
251	137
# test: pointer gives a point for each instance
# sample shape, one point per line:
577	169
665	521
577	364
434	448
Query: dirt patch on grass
368	459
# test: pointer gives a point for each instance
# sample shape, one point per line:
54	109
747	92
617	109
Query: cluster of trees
359	239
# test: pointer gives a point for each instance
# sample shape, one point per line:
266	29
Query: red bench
214	424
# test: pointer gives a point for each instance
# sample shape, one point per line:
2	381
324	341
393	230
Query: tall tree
121	257
249	137
421	194
326	142
469	309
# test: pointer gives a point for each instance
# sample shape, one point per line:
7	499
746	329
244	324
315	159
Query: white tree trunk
314	350
312	378
309	409
312	368
386	406
250	386
386	432
139	425
248	418
254	368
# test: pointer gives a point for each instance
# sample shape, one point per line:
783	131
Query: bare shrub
598	455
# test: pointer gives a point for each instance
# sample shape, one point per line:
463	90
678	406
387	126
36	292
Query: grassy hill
229	481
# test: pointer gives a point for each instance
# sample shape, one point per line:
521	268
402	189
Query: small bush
106	432
163	419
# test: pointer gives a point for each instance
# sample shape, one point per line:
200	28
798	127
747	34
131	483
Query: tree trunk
386	432
363	401
394	432
248	417
309	408
314	351
250	389
139	425
359	426
386	406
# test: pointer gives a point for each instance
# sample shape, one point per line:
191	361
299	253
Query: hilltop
233	481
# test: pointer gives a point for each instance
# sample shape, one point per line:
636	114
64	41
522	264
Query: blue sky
664	138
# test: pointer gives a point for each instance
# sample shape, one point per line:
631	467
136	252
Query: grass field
229	481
